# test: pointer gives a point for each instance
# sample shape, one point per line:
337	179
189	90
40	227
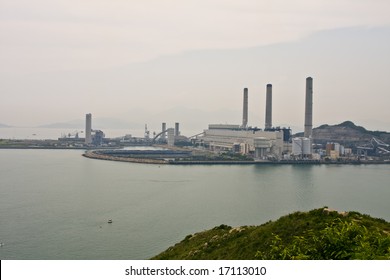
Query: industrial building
170	136
92	137
262	144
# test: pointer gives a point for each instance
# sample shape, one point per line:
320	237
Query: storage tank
297	146
306	146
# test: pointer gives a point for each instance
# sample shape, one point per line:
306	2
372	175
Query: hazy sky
182	60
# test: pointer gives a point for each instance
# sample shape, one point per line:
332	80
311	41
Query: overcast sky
154	60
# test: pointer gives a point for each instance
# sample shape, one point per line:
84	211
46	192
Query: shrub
340	240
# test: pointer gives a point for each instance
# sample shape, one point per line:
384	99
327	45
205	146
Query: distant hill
71	124
346	133
318	234
4	125
98	123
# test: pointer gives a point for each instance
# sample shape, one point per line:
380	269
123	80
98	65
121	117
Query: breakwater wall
94	155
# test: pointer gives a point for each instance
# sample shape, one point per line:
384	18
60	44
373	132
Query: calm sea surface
56	204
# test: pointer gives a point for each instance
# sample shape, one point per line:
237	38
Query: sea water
55	204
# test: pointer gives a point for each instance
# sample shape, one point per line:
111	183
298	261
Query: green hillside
318	234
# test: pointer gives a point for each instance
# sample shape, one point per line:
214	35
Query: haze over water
56	204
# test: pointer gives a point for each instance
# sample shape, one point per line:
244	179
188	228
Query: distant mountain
70	124
98	123
111	123
347	132
4	125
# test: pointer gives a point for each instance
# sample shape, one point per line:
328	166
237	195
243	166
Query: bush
341	240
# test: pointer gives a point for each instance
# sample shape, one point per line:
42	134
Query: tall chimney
245	109
177	131
171	137
309	108
88	129
268	108
163	128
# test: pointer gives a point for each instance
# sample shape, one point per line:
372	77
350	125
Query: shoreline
92	155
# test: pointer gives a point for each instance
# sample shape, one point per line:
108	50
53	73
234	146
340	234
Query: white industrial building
263	144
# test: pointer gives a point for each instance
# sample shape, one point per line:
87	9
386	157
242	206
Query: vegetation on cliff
318	234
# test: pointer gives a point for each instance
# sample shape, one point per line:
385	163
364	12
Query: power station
273	143
270	143
240	143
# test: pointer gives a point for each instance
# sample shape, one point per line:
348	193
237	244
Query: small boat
110	221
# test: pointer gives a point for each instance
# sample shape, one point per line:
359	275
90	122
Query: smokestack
163	128
171	136
177	132
309	108
88	129
245	109
268	108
